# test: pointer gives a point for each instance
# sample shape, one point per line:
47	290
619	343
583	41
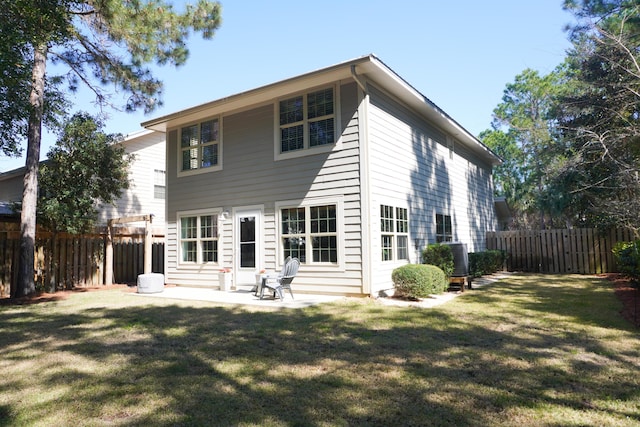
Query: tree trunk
26	282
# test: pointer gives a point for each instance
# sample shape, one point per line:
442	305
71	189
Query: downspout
365	189
357	79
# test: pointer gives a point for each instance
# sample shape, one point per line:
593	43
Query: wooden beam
126	219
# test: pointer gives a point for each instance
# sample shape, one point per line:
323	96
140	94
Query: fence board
584	251
67	261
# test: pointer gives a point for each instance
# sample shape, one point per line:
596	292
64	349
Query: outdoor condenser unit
460	259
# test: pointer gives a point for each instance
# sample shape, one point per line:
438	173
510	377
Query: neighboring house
146	194
348	168
147	191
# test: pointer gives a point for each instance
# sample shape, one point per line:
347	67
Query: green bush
440	255
627	256
419	280
487	262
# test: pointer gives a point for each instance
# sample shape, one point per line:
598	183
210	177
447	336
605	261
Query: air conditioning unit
460	259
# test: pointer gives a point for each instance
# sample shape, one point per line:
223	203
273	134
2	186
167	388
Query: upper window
159	184
200	146
307	121
199	239
310	233
444	231
394	228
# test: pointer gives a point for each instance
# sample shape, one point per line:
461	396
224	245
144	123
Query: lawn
529	350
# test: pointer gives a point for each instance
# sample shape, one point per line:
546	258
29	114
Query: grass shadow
494	353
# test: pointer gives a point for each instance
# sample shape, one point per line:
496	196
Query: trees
601	118
523	135
85	167
100	43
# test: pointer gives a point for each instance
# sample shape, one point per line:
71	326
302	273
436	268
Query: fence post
108	255
148	244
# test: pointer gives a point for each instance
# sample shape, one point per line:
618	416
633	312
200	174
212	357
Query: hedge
419	281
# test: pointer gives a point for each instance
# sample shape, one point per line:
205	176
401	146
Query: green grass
529	351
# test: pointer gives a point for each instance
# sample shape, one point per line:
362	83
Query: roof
366	68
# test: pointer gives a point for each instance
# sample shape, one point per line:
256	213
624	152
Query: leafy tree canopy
86	167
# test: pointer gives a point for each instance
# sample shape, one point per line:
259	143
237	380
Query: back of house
348	168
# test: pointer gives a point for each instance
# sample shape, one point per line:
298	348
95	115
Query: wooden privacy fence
76	260
583	250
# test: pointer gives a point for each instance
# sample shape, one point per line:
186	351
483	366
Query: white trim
258	211
365	192
306	150
199	170
339	202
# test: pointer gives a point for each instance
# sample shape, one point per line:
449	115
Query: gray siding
411	166
251	177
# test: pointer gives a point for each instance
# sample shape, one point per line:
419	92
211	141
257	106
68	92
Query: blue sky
459	54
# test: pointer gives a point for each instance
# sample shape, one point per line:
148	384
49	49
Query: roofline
369	66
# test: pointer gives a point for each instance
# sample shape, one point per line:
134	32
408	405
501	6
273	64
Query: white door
248	245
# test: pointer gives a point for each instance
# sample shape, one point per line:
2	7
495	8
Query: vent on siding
460	258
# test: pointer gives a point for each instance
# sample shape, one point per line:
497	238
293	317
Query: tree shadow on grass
341	364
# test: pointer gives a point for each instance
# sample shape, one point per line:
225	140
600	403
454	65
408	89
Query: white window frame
307	150
199	147
216	213
442	237
159	181
389	232
307	204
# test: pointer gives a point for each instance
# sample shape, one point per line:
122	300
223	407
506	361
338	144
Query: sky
459	54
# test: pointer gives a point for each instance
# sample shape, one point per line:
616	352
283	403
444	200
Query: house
146	194
348	168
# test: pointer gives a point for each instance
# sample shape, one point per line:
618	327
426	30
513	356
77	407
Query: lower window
199	239
394	229
310	233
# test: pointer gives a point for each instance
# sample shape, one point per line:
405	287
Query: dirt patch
629	295
42	297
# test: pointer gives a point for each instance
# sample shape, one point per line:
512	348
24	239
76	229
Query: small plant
418	281
440	255
627	256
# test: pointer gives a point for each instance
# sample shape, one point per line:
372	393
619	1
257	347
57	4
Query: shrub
487	262
419	280
627	256
440	255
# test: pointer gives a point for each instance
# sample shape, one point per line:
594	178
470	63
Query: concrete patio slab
241	297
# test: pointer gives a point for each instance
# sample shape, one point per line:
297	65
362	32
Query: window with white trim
394	229
444	230
307	121
200	145
310	233
198	238
159	184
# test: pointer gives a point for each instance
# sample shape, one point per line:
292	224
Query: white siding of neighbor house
149	151
251	177
417	166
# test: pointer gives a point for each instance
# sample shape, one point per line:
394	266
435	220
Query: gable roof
361	70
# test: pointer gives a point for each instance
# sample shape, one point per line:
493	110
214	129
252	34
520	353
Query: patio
242	296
